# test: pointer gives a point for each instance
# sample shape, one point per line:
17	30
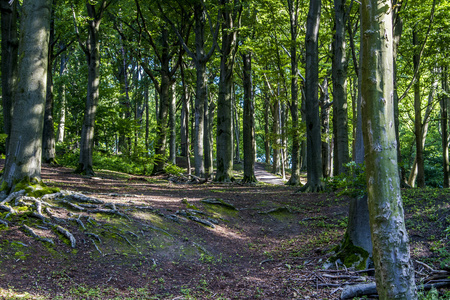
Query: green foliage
352	183
3	137
173	169
433	294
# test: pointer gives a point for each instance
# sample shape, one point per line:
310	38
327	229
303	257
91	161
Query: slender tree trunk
418	128
224	153
173	128
62	94
444	126
248	121
313	139
8	61
325	117
293	105
276	142
394	272
92	51
266	130
207	139
236	127
339	66
23	159
48	137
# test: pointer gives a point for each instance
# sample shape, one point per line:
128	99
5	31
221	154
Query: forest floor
260	241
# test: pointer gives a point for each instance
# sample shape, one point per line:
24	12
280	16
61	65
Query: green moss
4	186
34	187
350	255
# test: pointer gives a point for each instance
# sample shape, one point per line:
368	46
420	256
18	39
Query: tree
231	14
393	269
23	160
313	140
340	119
9	61
91	49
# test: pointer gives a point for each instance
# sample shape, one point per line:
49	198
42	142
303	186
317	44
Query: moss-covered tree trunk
23	160
394	272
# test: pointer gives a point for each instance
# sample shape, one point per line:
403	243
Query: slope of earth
189	241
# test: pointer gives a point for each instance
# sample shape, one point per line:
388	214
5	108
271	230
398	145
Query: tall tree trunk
92	50
207	139
293	105
444	126
8	61
224	153
418	128
339	67
248	121
236	127
313	139
23	159
48	137
394	272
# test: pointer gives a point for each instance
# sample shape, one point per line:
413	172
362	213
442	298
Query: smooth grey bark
418	128
339	75
185	141
313	138
237	128
224	154
23	159
208	138
10	48
394	272
248	120
48	136
92	51
62	93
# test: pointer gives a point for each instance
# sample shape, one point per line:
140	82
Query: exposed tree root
36	236
3	222
67	234
312	188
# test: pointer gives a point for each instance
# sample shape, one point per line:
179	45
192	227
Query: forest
197	149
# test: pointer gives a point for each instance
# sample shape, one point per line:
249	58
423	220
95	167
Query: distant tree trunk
266	129
339	67
248	121
23	159
313	139
48	137
237	129
277	141
424	131
62	94
173	128
418	128
184	120
92	51
230	15
8	61
394	272
207	138
325	117
444	127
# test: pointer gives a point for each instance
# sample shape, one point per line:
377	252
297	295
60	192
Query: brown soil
252	252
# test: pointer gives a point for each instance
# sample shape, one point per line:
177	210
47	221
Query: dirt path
264	176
